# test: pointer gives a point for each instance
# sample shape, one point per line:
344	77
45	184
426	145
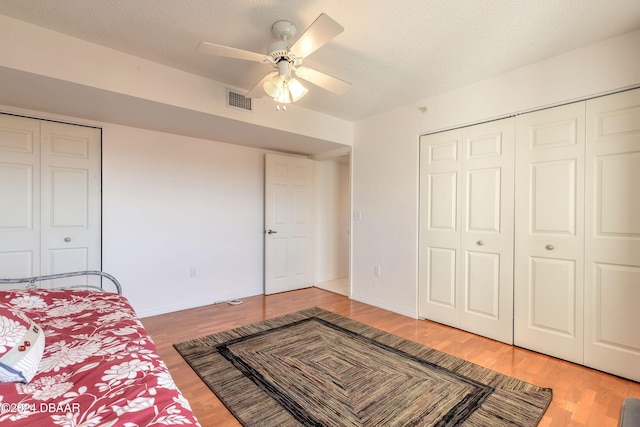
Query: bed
97	365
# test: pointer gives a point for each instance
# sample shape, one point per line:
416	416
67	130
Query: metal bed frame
31	281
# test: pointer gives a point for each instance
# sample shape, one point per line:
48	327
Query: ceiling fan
286	58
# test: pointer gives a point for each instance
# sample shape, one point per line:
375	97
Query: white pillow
21	346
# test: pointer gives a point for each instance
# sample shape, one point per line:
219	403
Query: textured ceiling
395	52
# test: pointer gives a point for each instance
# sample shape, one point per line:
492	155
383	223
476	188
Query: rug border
220	398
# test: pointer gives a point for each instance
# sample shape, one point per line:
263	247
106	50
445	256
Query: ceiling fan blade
258	89
325	81
231	52
317	35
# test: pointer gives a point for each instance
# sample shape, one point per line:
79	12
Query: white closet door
486	263
50	190
612	272
466	229
19	197
548	293
439	236
71	214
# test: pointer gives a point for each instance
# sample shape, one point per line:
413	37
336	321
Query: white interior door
19	197
289	223
486	276
612	270
71	213
439	235
549	248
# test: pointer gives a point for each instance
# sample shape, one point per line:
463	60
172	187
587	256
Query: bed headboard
31	281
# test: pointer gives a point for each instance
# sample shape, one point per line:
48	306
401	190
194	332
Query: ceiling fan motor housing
279	52
284	30
284	70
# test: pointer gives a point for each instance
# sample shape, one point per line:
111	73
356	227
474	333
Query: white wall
333	198
597	69
385	155
385	192
171	203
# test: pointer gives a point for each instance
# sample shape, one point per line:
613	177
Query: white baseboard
184	305
381	304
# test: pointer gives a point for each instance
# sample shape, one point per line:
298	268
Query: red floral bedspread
99	367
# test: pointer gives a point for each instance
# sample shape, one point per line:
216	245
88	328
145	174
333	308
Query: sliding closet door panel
439	237
486	267
612	271
553	308
482	286
549	248
442	277
442	188
19	197
560	220
71	214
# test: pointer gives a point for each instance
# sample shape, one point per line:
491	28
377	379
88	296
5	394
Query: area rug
316	368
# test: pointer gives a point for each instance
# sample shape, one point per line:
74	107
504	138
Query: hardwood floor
581	396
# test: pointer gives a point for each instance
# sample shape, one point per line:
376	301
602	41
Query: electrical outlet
193	272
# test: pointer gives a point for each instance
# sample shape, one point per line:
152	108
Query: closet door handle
480	242
67	239
271	231
549	247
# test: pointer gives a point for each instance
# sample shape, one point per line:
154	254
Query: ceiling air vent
237	100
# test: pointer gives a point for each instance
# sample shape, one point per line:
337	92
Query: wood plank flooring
581	396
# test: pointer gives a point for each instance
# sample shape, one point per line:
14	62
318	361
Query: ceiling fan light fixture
284	92
284	97
296	89
273	86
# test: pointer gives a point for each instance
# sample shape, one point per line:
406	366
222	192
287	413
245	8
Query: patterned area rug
316	368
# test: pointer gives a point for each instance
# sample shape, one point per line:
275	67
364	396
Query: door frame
331	156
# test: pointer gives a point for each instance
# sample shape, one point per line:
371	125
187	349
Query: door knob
67	239
270	231
480	242
549	247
